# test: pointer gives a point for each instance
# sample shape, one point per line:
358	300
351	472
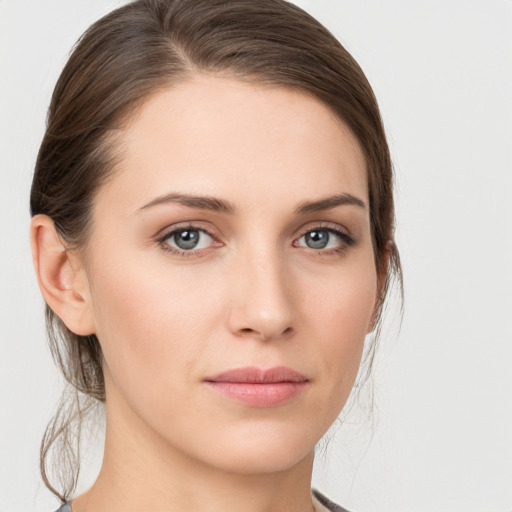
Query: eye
325	238
187	239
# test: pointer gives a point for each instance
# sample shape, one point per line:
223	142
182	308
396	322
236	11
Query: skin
253	294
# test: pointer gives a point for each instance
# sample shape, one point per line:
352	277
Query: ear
382	275
61	277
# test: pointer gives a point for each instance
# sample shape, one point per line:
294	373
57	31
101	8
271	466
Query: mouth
259	388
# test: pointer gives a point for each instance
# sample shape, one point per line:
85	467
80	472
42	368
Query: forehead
230	138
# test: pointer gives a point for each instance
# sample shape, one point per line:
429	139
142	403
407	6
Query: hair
118	63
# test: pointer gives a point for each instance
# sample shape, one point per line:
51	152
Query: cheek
340	314
149	321
343	302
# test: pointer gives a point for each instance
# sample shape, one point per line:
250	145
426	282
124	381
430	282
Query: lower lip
259	395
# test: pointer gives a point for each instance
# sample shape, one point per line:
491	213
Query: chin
260	451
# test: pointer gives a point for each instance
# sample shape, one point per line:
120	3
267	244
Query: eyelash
183	253
347	240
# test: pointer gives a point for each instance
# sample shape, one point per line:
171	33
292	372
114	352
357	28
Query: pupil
187	239
317	239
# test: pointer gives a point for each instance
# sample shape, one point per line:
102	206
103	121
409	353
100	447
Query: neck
140	471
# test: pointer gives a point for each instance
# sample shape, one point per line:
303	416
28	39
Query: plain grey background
442	71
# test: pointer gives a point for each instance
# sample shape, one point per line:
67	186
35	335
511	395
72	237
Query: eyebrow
200	202
222	206
328	203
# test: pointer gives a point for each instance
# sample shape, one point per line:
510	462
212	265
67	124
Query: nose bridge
263	303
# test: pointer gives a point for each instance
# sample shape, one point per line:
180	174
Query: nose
261	304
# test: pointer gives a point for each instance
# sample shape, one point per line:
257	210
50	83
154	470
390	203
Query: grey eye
317	239
187	239
324	238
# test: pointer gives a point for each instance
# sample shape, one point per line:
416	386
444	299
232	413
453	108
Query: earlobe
61	278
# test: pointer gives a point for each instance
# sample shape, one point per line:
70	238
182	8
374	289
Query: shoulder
327	503
65	508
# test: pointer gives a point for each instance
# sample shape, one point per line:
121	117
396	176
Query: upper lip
251	374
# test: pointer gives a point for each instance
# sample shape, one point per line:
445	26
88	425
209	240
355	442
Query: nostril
264	335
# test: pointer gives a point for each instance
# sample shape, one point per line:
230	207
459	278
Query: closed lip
253	375
255	387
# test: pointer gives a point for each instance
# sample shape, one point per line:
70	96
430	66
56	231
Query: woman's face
235	233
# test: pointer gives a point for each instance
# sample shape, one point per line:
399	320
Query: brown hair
116	65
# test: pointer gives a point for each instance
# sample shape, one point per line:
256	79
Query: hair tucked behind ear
116	65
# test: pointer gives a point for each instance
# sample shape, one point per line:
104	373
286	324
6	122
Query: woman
213	235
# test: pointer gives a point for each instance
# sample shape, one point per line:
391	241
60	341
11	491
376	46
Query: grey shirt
326	502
